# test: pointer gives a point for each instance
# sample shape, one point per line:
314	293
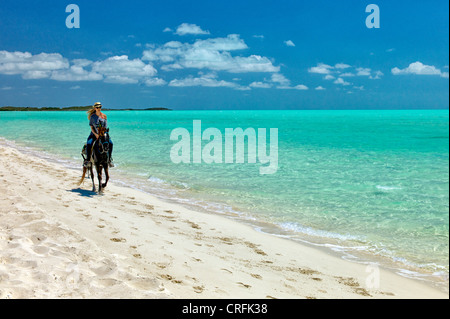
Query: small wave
297	228
387	188
156	180
180	185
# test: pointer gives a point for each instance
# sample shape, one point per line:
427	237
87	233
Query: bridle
103	146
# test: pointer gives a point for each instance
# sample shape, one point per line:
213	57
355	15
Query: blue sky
225	54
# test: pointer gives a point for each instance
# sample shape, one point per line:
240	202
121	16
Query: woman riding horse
100	158
96	119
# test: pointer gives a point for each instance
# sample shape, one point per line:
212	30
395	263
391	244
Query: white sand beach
58	240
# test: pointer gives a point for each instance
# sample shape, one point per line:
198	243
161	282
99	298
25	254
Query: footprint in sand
161	265
193	225
353	283
199	289
244	285
170	278
256	276
118	240
255	248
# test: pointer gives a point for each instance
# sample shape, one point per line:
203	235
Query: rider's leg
111	164
87	162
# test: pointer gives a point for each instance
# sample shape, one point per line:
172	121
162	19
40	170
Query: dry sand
58	240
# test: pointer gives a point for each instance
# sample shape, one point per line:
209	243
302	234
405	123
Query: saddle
84	150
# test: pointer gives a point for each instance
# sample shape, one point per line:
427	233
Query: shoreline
129	244
354	250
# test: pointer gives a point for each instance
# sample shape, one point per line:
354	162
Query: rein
102	148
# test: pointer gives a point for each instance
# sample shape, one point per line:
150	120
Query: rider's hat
97	104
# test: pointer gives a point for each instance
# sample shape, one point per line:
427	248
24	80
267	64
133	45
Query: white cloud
321	68
342	66
377	76
35	75
363	71
289	43
213	54
280	79
230	43
171	67
420	69
188	28
167	30
285	84
319	88
260	85
253	63
155	82
76	87
341	81
119	69
77	72
30	66
336	72
116	69
207	80
301	87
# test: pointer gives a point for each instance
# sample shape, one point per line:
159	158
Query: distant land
75	108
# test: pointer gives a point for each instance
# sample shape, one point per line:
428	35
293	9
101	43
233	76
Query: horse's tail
82	177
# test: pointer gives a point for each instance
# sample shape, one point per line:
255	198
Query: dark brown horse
99	159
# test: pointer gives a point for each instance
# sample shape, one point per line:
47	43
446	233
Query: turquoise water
376	182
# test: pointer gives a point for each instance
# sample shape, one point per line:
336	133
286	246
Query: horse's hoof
103	185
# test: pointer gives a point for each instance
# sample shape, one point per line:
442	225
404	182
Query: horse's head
102	149
102	131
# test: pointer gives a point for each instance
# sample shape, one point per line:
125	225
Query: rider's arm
94	132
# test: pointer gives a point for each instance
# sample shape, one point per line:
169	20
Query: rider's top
96	121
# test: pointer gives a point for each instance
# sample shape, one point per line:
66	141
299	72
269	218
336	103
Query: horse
99	159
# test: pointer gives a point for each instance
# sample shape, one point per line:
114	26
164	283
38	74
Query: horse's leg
99	175
91	170
106	176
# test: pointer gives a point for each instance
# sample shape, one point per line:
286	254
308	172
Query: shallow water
375	181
